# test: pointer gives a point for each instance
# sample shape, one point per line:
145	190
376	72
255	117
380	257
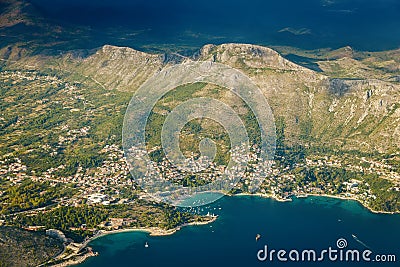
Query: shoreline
156	231
264	196
354	199
318	195
71	262
152	231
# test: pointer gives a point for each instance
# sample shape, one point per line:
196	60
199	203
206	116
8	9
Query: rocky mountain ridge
353	114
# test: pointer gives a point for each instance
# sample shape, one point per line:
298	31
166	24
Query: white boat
146	245
258	236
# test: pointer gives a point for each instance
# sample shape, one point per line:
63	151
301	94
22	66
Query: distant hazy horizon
364	25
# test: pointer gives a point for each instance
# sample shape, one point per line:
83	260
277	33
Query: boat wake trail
359	241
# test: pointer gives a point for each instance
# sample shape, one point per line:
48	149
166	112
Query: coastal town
102	185
102	182
61	159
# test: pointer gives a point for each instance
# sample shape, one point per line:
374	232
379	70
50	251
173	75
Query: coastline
264	196
156	231
70	262
318	195
354	199
153	231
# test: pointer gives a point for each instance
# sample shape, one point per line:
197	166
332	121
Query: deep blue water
312	223
362	24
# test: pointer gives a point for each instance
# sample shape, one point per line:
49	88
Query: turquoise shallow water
311	223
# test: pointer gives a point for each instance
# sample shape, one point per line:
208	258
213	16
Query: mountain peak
253	56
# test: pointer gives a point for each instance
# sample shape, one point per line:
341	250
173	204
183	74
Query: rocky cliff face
351	113
247	55
357	113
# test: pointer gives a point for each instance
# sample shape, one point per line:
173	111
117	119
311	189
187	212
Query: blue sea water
311	223
310	24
